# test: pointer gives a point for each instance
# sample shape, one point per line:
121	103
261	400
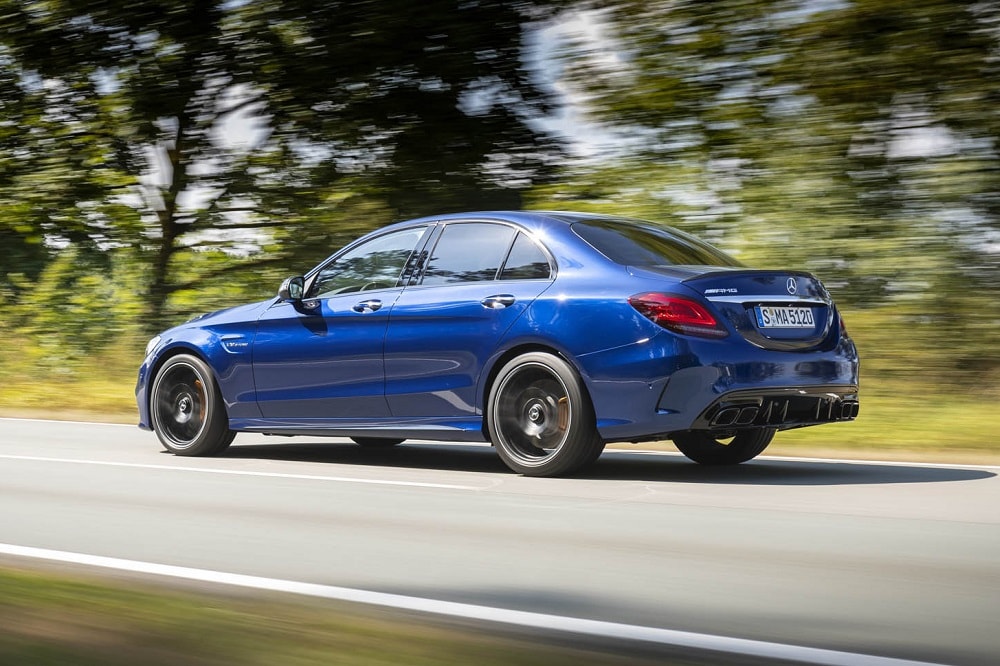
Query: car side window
377	264
526	261
468	252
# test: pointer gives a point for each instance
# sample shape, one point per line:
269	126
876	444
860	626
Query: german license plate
784	317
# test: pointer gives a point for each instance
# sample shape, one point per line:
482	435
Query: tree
126	114
862	137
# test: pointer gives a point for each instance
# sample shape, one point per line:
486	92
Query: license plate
784	317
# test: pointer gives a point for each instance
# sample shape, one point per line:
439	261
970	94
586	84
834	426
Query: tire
186	408
376	442
540	420
706	448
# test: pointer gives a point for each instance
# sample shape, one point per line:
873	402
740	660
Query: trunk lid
782	310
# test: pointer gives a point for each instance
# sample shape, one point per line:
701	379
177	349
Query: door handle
498	301
371	305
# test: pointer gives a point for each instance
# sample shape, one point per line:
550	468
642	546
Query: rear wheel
540	420
186	409
709	448
376	442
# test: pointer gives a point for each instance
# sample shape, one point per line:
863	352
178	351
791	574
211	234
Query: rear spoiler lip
686	273
712	271
767	298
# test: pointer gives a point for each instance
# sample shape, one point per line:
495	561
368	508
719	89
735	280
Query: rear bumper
670	384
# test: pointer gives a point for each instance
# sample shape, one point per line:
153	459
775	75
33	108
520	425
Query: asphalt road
866	558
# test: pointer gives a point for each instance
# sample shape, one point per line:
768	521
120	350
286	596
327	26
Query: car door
479	278
321	357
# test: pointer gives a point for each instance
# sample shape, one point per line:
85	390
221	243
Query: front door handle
498	301
371	305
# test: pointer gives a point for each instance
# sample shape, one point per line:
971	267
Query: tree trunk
160	286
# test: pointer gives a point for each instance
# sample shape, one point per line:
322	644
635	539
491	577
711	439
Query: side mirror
292	288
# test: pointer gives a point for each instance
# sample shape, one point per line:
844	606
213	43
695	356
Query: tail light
678	314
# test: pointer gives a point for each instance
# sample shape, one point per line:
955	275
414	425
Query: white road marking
840	461
238	472
887	463
531	620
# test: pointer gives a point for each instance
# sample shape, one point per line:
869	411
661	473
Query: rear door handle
498	301
370	305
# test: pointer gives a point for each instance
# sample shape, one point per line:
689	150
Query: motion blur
166	159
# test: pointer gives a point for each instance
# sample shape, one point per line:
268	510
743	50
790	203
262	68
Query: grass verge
48	619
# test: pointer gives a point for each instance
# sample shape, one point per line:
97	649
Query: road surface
896	560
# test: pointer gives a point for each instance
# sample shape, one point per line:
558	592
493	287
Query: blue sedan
547	334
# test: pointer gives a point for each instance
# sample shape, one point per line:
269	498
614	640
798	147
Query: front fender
227	353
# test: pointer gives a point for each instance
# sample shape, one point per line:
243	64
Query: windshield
632	244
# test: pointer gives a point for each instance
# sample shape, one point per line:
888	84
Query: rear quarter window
526	261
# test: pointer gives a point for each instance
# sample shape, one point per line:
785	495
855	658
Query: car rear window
639	245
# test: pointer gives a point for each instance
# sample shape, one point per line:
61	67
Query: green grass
54	620
99	386
904	425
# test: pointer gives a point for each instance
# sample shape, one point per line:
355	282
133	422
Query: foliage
118	124
858	139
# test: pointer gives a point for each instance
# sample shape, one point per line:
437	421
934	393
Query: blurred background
162	159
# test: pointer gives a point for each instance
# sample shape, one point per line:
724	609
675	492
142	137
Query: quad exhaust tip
776	412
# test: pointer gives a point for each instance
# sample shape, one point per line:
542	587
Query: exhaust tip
726	416
747	416
849	409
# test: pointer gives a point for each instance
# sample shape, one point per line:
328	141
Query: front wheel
709	448
541	421
186	408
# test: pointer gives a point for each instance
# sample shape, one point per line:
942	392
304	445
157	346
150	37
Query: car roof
528	218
